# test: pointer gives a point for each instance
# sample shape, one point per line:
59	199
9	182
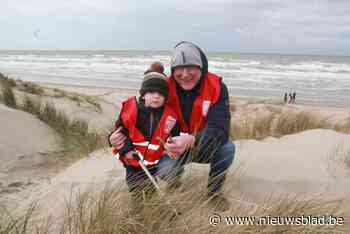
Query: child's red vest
150	150
209	95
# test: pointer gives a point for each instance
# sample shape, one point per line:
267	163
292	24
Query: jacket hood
193	54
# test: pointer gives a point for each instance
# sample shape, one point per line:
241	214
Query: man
201	101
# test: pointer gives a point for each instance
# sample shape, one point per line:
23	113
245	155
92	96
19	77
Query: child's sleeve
128	146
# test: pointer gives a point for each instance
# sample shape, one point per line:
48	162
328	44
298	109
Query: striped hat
154	82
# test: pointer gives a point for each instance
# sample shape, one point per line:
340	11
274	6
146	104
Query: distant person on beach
293	97
201	101
290	98
285	97
142	121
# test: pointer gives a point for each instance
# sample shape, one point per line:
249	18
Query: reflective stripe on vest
145	162
150	163
144	143
153	147
147	144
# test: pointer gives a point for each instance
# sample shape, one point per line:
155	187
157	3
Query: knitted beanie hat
154	82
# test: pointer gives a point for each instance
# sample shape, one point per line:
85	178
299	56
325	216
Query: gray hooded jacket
216	131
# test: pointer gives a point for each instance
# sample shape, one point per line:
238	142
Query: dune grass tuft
76	135
343	127
4	80
31	106
77	138
276	125
289	123
254	128
7	95
30	87
107	211
339	160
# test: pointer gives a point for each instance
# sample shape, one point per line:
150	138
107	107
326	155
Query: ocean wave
262	75
296	67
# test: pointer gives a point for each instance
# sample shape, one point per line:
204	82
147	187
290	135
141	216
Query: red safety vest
152	150
209	95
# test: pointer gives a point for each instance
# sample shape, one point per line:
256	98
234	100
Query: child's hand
117	139
169	140
176	146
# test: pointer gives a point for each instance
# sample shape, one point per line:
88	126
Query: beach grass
30	87
252	128
7	96
77	139
4	80
290	123
35	89
339	160
78	98
31	106
107	211
343	127
277	124
76	136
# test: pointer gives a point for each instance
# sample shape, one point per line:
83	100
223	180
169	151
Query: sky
251	26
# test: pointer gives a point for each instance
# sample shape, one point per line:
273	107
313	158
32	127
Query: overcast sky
272	26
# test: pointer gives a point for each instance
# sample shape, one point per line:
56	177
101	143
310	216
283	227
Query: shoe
219	202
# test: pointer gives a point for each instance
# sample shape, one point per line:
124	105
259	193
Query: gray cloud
249	26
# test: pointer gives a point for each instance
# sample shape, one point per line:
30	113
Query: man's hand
129	159
117	139
129	155
176	146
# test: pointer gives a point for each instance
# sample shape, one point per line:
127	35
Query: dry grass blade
254	128
289	123
7	96
276	125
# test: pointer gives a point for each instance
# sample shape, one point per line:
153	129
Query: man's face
187	76
154	99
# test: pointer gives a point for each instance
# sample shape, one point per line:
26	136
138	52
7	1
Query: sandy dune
28	147
24	142
95	171
302	163
295	164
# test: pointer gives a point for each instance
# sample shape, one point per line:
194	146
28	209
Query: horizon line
169	51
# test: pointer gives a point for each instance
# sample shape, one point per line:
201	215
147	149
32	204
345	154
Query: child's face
154	99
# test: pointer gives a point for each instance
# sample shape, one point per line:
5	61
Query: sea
323	80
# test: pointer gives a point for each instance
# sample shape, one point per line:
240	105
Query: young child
144	121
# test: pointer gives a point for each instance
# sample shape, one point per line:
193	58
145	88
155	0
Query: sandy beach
304	164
